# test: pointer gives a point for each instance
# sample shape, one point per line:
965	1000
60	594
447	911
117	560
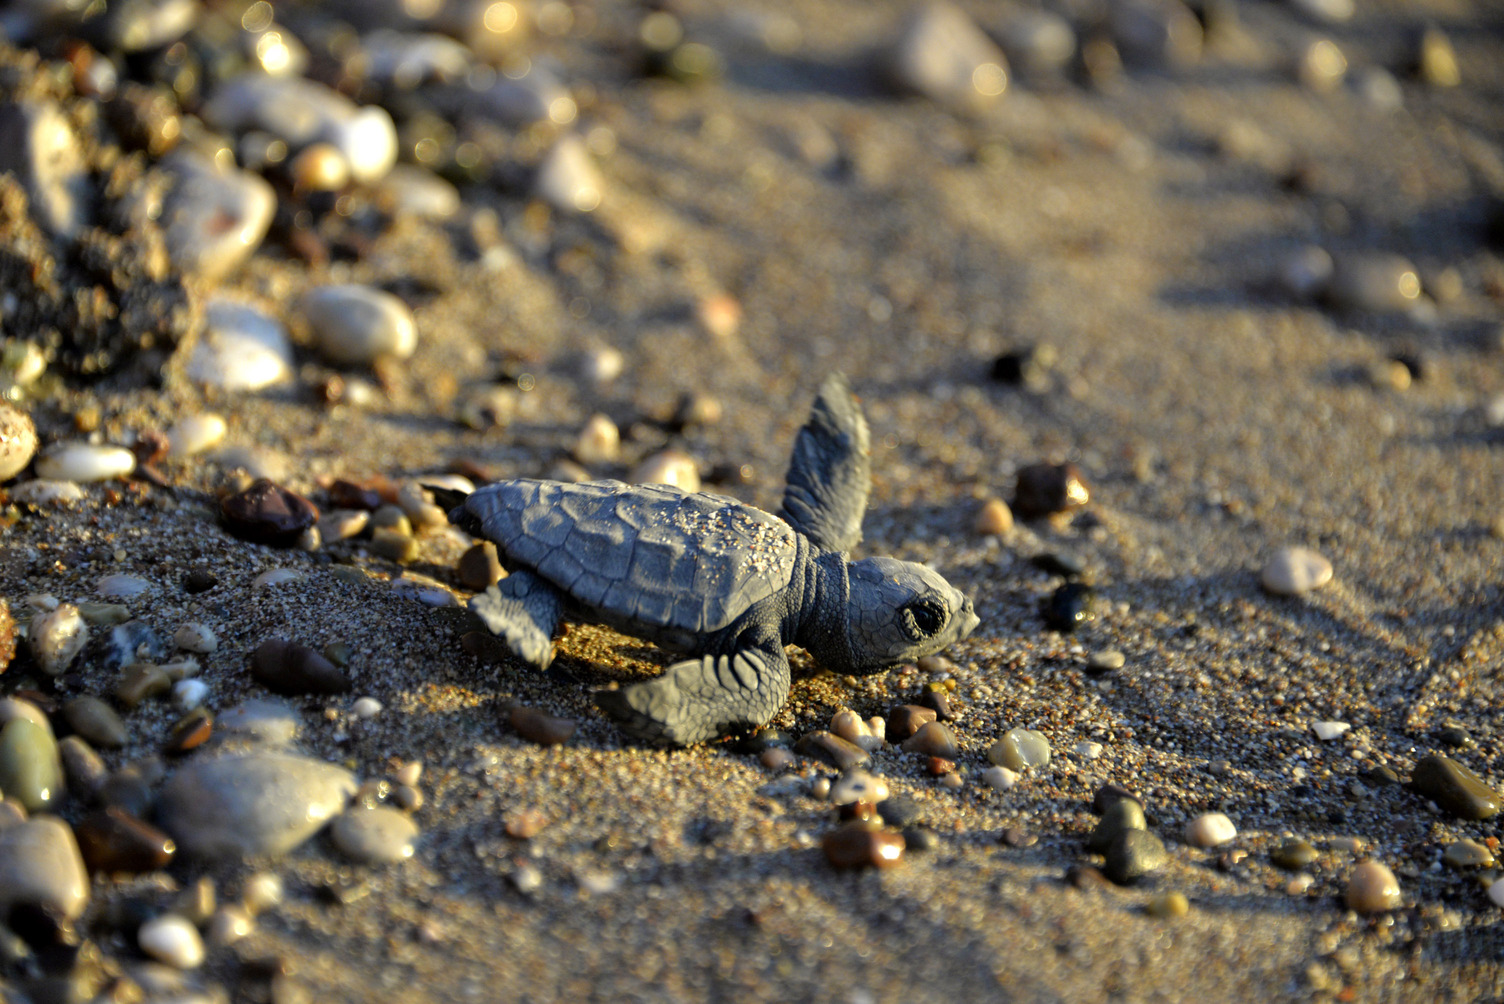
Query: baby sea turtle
713	577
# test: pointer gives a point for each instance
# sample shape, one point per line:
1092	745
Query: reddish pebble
939	766
524	824
349	495
858	844
540	727
114	841
267	513
906	719
191	731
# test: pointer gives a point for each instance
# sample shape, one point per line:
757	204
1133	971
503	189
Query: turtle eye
924	618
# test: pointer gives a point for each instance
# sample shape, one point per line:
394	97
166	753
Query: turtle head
899	611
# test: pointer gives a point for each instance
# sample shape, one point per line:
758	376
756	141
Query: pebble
103	614
84	462
1121	816
831	749
342	524
189	694
195	434
479	568
994	518
598	442
933	739
267	513
942	55
56	637
859	844
1071	605
96	721
1209	829
1373	281
197	638
1321	65
1453	787
540	727
84	769
1293	571
568	179
1039	43
264	802
285	667
45	492
776	759
1496	893
1134	854
261	892
1168	905
189	732
30	770
215	216
270	722
1048	490
1292	854
1468	854
121	587
139	25
1105	662
378	835
858	786
1020	748
906	719
115	842
1372	888
38	146
40	866
240	348
1325	11
140	682
366	708
849	726
1110	793
1436	62
355	325
18	440
301	112
277	577
172	939
668	467
535	96
1327	731
1156	33
1306	272
999	778
1377	87
601	364
230	924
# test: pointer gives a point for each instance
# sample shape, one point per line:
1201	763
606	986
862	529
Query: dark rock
1455	788
349	495
539	726
199	581
763	740
1047	489
1381	776
1455	738
1109	793
1292	854
907	719
900	811
479	568
1070	606
267	513
939	702
1026	365
934	740
1121	816
285	667
113	841
920	838
1134	854
858	844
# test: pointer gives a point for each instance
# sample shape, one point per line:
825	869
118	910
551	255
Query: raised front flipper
524	611
830	472
703	698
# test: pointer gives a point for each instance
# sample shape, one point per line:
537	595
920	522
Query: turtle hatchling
713	578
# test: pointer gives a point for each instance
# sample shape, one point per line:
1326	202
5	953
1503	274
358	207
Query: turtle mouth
966	619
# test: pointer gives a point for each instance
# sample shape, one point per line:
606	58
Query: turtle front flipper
830	472
524	611
703	698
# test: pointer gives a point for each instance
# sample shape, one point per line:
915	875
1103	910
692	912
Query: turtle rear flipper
703	698
523	610
830	472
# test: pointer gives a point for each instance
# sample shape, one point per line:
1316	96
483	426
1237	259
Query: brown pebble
856	810
830	748
96	721
285	667
266	513
1017	836
939	766
349	495
524	824
1087	877
939	702
140	681
934	740
394	545
539	726
858	844
479	568
114	841
7	635
994	518
1372	888
776	759
190	732
1047	489
906	719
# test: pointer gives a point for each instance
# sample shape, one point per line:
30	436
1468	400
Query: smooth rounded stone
18	440
104	614
285	667
1039	43
355	325
189	694
56	637
261	891
1105	662
139	25
121	586
1134	854
1378	89
1210	829
1328	731
479	568
859	844
30	769
1109	793
858	786
378	835
568	179
906	719
1436	62
197	638
240	348
1168	905
1292	854
933	739
115	842
1321	65
1163	34
1449	784
849	726
301	112
671	467
831	749
1293	571
1020	748
141	681
1306	272
42	492
230	924
394	546
994	518
1121	816
172	939
1071	605
1468	854
96	721
18	709
598	442
215	215
942	55
84	768
84	462
1373	281
1372	888
267	513
264	802
1049	489
40	866
1496	893
195	434
342	524
38	146
412	191
540	727
366	708
999	778
189	732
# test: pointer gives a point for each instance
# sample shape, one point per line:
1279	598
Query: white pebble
195	637
1295	570
121	587
1496	893
409	773
601	365
241	348
189	694
173	940
849	726
599	441
229	924
46	491
858	786
85	462
355	325
261	892
366	708
567	178
195	434
999	778
276	577
527	879
342	524
1209	829
56	637
1088	750
669	467
1327	731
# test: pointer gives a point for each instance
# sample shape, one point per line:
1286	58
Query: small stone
1453	787
377	835
1373	281
1049	489
858	786
1378	89
394	545
413	191
285	667
1372	888
105	614
56	637
40	866
1168	905
261	892
82	766
479	568
84	462
196	638
366	708
598	442
776	759
190	732
18	440
115	842
668	467
215	215
849	726
831	749
240	348
134	641
1105	662
1134	854
1294	571
1039	43
189	694
1292	854
230	924
1327	731
1436	63
1305	272
999	778
195	434
942	55
96	721
266	513
1017	836
568	179
934	740
1071	605
172	939
524	824
1119	817
1025	366
857	844
1496	893
1468	854
907	719
356	325
140	682
1321	65
1163	34
1325	11
30	769
539	726
938	701
38	147
1209	830
1020	748
994	518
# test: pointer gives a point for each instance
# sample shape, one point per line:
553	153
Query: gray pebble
38	146
213	218
251	804
96	721
40	865
1157	33
355	325
240	348
1134	854
942	55
378	835
1117	818
1455	788
84	768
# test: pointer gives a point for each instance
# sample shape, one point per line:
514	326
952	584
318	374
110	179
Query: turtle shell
654	555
